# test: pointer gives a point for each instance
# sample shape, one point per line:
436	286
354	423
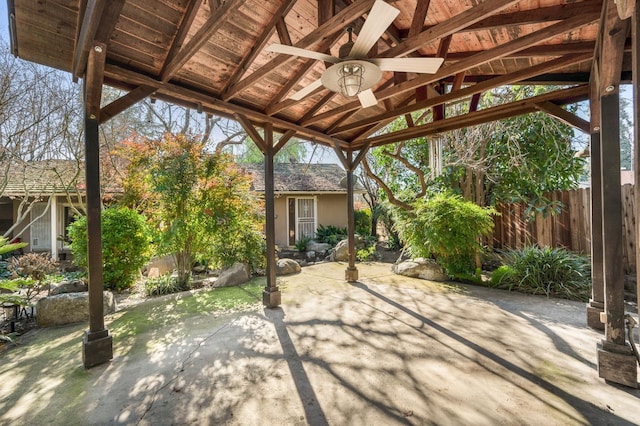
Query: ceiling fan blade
367	98
379	19
306	90
296	51
419	65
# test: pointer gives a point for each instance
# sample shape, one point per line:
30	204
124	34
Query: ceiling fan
353	73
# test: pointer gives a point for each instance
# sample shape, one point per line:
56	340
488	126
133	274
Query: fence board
571	228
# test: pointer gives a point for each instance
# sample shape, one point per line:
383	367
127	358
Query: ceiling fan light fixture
350	78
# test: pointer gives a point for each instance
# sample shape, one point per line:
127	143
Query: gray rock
233	275
74	286
162	265
341	251
426	269
320	248
287	267
68	308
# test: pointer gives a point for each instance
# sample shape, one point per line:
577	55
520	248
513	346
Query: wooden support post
351	274
97	346
271	296
596	303
635	40
616	362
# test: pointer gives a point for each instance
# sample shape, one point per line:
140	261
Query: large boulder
287	267
233	275
68	308
341	252
321	249
73	286
159	266
426	269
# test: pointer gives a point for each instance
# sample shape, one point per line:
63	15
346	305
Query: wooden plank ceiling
210	54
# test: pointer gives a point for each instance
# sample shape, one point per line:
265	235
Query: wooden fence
570	229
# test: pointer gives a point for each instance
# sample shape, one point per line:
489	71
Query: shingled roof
42	177
301	177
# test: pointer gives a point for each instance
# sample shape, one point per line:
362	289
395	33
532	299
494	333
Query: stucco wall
332	210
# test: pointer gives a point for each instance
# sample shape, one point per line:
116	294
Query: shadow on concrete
590	411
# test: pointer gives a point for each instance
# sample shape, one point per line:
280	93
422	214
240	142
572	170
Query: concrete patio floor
386	350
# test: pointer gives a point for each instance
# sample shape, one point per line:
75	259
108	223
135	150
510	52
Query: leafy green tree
199	203
126	246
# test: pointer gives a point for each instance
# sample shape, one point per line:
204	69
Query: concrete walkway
386	350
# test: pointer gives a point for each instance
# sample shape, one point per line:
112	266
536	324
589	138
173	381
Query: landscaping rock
74	286
68	308
164	265
320	248
426	269
234	275
287	267
341	251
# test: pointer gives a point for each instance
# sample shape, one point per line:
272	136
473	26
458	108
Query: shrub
125	245
330	234
448	228
362	219
302	243
30	272
550	271
367	254
165	284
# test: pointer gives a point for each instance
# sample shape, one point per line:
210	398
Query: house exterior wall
331	210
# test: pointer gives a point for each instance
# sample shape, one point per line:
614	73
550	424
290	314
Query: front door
302	218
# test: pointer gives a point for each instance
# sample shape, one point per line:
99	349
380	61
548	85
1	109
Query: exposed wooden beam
188	17
525	106
90	23
318	105
449	27
470	90
524	17
419	16
329	28
199	39
565	116
259	45
282	141
248	127
110	17
93	81
283	31
610	64
124	102
472	62
188	97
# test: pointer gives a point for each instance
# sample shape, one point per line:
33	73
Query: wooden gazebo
215	56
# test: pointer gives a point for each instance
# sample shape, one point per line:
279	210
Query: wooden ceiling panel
230	70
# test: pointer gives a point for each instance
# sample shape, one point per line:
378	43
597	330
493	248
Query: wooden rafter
525	106
471	62
329	28
260	44
419	16
565	116
527	17
183	30
449	27
116	107
470	90
199	39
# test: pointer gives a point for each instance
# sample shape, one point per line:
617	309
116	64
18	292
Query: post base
97	348
271	297
351	274
617	364
594	309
